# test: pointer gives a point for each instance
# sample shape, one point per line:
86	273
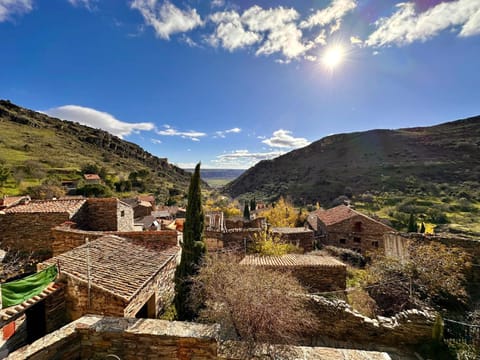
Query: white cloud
332	14
243	158
406	26
14	7
282	139
156	141
283	35
167	19
218	3
169	131
355	40
98	119
230	32
89	4
222	134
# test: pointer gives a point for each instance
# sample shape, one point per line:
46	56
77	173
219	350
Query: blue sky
230	83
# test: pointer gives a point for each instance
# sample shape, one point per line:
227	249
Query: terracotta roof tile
336	214
70	206
291	260
91	177
117	265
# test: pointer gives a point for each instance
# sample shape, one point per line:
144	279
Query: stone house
27	226
92	178
299	236
115	276
345	227
316	273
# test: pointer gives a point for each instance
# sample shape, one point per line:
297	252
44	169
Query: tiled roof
91	177
70	206
290	230
291	260
117	265
336	214
8	201
148	198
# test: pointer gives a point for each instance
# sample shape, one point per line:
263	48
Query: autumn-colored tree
266	244
251	304
282	215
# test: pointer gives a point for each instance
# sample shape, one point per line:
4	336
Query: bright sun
333	57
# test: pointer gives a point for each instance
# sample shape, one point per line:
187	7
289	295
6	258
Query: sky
231	83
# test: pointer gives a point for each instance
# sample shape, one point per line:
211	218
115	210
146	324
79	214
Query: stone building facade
315	273
115	276
299	236
344	227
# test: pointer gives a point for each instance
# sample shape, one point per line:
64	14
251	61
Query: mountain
409	161
36	147
217	178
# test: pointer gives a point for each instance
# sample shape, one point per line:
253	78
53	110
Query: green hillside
388	172
36	149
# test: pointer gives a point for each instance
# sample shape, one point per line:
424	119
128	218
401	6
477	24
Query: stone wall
367	237
231	240
303	239
337	320
321	278
66	238
109	214
29	231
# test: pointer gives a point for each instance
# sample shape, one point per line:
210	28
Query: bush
346	255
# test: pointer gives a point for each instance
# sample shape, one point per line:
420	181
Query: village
100	267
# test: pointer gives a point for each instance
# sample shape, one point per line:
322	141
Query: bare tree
252	304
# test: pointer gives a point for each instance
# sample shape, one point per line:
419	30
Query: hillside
437	163
36	147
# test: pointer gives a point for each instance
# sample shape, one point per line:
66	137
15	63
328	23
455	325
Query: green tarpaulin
16	292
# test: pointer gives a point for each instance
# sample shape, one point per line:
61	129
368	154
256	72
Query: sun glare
333	57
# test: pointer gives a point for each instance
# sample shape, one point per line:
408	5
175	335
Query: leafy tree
253	204
246	212
268	245
282	215
94	190
4	174
193	248
90	169
252	304
49	189
412	224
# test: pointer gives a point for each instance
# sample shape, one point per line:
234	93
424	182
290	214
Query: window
375	244
342	241
357	240
122	213
357	227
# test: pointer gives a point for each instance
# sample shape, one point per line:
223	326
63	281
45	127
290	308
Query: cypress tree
193	248
246	212
422	228
253	205
412	224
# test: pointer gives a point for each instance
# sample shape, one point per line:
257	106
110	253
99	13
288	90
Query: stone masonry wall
66	239
108	214
337	320
302	239
345	234
162	285
29	231
232	240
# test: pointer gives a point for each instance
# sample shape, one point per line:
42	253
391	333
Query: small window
375	244
357	240
122	213
343	241
357	227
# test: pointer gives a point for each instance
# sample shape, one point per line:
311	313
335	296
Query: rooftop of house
290	230
91	177
70	206
117	265
338	214
291	260
147	198
9	201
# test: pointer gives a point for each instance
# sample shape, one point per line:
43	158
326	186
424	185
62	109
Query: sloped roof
91	177
70	206
117	265
9	201
291	260
290	230
340	213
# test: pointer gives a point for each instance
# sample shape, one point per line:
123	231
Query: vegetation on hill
40	151
432	172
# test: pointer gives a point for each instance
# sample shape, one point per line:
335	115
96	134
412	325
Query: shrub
346	255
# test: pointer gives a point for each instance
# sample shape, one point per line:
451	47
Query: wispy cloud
243	158
218	3
8	8
156	141
222	134
170	131
406	26
331	14
283	139
88	4
98	119
167	19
